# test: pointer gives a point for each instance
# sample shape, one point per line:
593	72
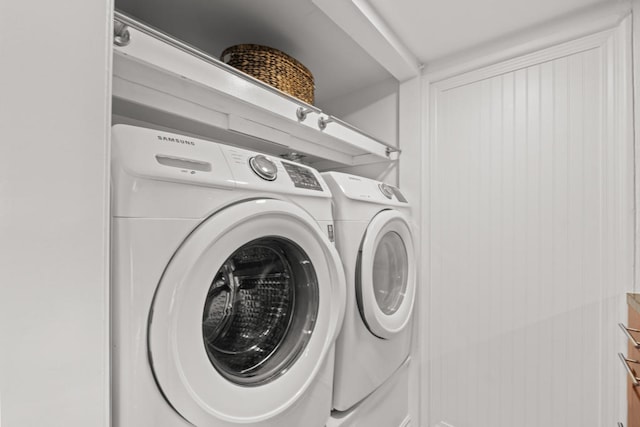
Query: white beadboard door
531	238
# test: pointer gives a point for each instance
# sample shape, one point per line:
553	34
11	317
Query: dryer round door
386	274
245	314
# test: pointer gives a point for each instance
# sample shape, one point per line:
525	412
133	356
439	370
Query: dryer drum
260	311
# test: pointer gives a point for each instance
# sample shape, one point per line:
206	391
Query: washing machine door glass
390	272
246	314
260	310
386	274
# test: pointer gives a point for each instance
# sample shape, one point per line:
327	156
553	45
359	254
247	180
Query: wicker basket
272	67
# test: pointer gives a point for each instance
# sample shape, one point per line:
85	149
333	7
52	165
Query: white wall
531	227
54	112
374	110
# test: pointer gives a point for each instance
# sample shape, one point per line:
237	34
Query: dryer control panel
367	190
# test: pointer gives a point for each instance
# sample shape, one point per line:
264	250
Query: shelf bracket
301	113
324	121
121	35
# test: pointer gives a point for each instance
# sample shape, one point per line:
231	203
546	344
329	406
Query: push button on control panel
263	167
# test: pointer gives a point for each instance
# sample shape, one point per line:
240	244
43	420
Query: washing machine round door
386	274
245	314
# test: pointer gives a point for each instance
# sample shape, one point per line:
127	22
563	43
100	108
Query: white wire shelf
160	81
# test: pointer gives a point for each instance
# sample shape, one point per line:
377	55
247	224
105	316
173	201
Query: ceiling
429	29
433	29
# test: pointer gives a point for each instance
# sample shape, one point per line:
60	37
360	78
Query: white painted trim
594	41
411	180
363	23
106	195
429	130
594	20
425	247
621	45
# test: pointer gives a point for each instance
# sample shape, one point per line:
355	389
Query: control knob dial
263	167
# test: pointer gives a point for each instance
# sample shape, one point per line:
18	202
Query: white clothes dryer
227	293
375	241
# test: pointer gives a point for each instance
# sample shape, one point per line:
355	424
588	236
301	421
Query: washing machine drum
245	314
260	310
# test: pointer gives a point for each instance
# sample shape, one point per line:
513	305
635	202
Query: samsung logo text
176	140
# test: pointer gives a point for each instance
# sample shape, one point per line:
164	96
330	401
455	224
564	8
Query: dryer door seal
280	330
386	274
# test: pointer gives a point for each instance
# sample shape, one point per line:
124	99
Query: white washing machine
375	241
227	293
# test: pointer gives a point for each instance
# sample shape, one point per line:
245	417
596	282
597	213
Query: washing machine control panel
270	173
302	177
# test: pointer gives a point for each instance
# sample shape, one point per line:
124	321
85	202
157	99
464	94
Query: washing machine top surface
176	176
